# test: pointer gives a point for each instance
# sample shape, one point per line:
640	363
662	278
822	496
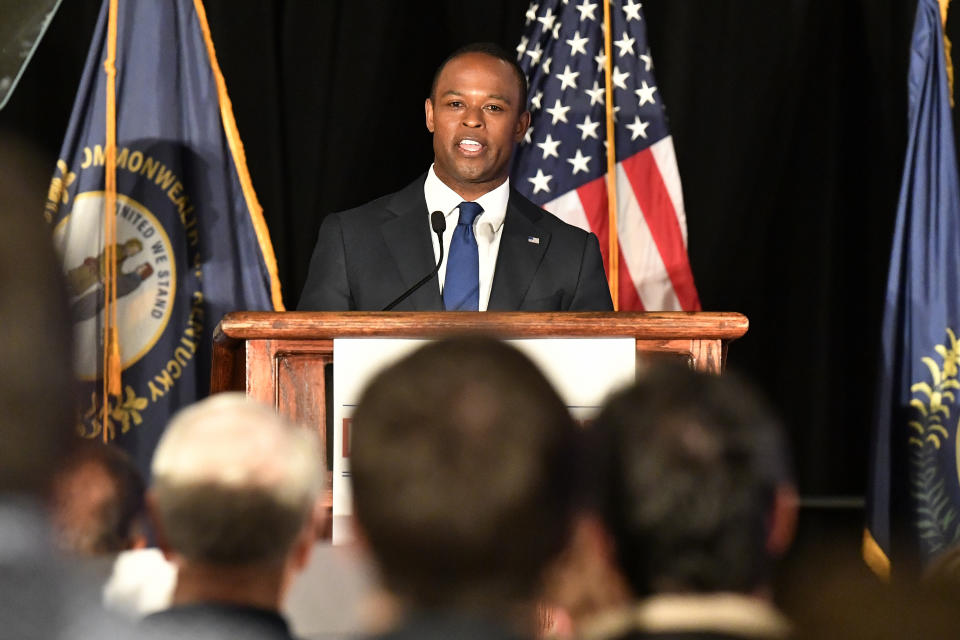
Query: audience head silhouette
460	462
234	497
98	502
696	469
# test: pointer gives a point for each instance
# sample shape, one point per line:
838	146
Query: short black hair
494	51
460	462
691	464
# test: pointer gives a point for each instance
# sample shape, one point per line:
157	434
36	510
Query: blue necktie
461	285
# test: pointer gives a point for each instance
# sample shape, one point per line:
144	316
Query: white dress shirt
488	227
142	582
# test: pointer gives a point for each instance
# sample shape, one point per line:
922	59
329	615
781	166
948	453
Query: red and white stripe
655	271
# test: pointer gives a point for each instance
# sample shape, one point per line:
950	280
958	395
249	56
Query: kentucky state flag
191	243
914	496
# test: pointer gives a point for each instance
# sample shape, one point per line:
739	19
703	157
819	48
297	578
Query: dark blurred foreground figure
97	502
235	505
41	596
460	463
98	512
695	503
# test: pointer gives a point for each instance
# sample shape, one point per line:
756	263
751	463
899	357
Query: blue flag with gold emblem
913	501
190	241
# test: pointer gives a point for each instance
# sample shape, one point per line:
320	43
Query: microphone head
438	222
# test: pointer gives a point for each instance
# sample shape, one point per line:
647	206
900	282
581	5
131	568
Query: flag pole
613	278
111	344
947	47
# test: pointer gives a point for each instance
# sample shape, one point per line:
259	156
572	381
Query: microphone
439	224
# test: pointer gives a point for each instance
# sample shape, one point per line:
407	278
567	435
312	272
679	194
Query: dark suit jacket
215	621
702	634
448	625
366	257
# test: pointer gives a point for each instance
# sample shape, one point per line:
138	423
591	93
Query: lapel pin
533	240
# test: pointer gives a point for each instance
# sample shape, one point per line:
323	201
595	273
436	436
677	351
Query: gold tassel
113	365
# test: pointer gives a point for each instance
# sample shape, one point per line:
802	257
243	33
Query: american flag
562	162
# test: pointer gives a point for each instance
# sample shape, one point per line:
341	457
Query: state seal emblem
146	279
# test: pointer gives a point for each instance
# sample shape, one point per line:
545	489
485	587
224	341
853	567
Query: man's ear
522	125
782	520
153	517
302	547
312	531
428	111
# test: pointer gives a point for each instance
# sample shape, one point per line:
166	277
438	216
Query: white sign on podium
584	371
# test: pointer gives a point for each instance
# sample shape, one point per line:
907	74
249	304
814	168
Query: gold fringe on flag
613	277
240	161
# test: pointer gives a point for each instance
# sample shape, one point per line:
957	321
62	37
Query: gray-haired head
233	482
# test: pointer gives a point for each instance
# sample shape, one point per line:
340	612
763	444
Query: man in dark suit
502	252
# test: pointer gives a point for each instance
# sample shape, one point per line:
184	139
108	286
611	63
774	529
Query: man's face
476	117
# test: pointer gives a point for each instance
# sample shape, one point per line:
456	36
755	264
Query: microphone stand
439	224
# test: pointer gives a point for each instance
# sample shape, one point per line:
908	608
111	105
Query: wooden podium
280	358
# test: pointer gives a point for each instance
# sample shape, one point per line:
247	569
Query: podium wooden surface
279	358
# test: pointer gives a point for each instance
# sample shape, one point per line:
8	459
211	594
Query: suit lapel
407	237
522	247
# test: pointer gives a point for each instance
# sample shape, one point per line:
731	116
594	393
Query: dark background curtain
789	124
